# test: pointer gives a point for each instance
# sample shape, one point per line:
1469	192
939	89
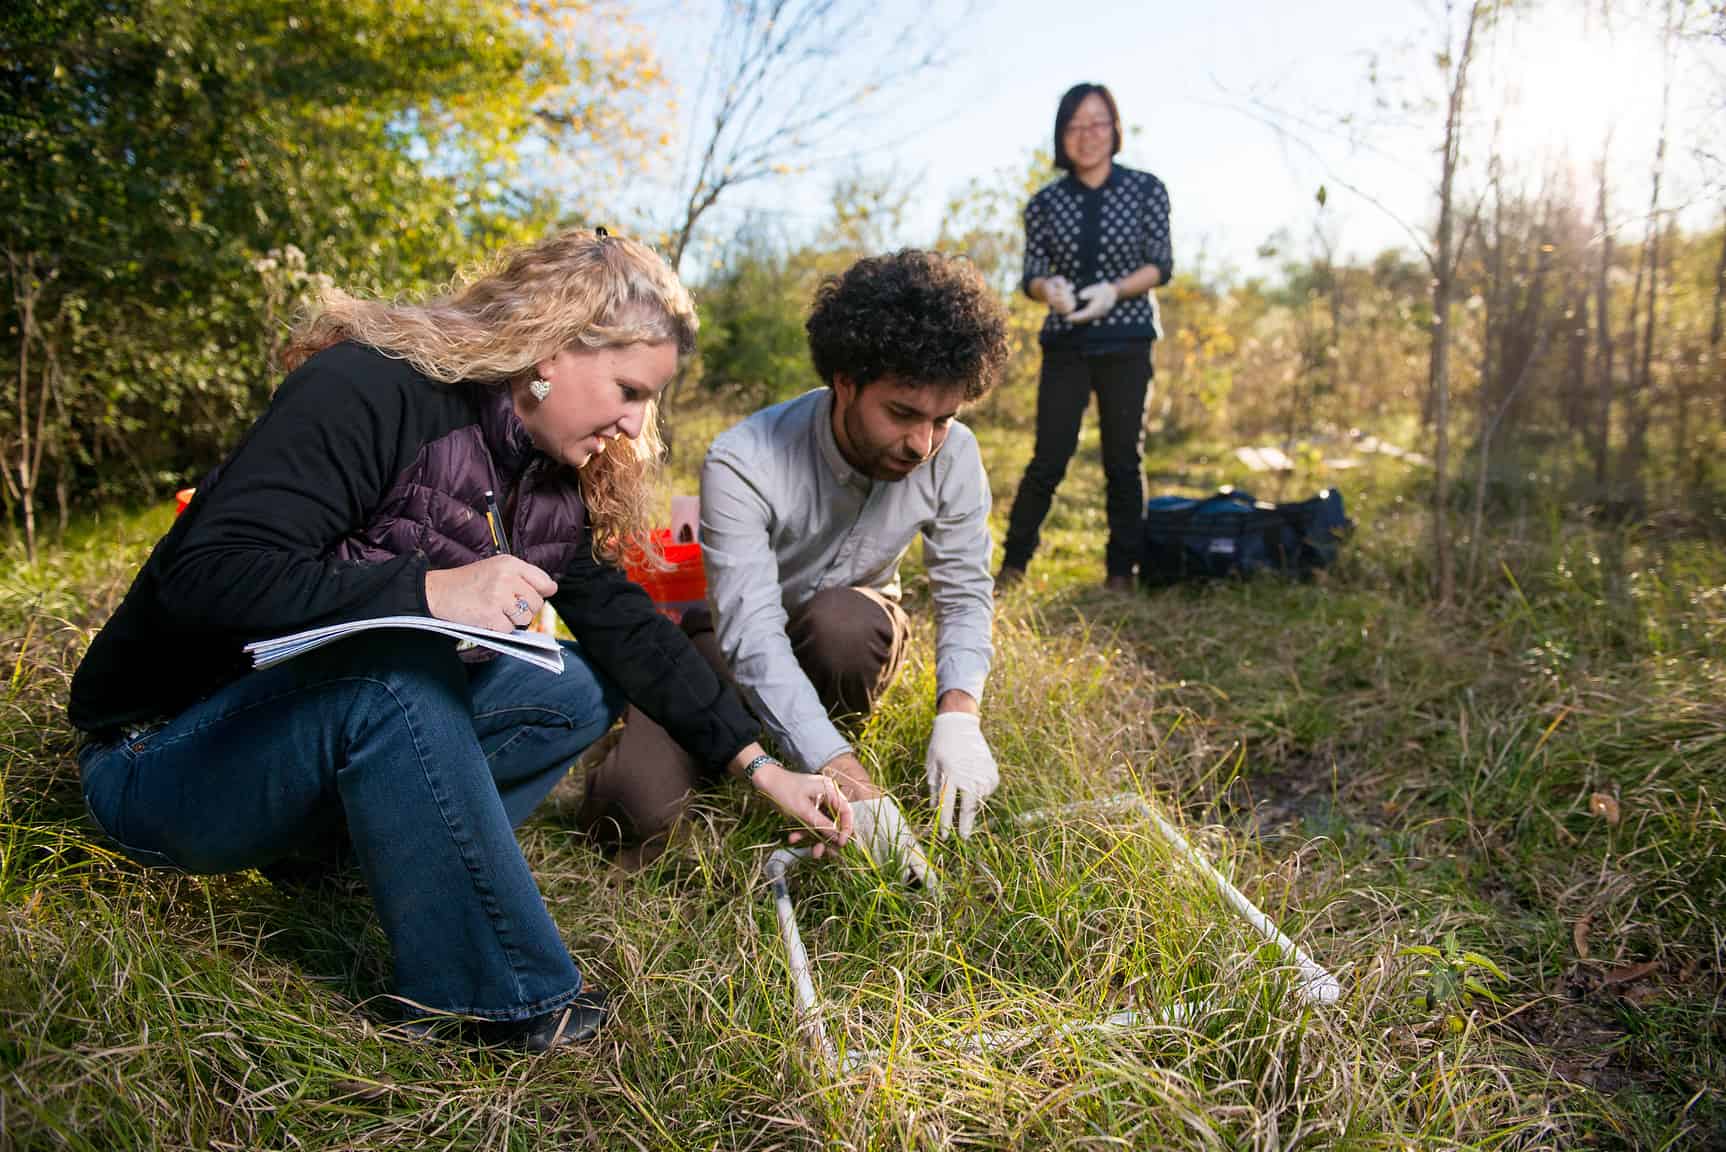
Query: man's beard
874	461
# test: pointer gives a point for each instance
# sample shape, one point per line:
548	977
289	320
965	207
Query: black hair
920	317
1070	107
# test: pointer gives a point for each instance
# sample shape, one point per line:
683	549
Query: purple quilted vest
436	504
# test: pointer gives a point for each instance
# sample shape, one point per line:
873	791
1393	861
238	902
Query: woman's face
596	394
1089	137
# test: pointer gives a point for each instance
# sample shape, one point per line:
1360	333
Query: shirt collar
829	446
1083	189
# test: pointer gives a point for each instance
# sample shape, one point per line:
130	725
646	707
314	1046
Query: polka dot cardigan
1092	234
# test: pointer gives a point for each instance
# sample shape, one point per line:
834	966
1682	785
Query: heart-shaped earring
541	388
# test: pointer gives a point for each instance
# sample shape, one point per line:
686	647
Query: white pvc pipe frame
1317	986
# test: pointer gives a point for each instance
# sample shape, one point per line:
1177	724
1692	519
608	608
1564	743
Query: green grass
1375	775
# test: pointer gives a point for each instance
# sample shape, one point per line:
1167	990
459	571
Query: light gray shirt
783	516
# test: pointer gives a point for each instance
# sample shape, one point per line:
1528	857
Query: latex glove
960	769
1058	294
879	826
1098	298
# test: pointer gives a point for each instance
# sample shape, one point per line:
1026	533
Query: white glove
879	826
959	767
1098	298
1058	294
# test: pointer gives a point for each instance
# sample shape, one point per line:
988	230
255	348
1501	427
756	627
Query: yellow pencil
494	521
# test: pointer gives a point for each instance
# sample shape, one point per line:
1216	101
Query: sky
1244	108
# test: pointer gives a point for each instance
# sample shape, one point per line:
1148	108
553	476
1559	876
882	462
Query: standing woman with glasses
1096	243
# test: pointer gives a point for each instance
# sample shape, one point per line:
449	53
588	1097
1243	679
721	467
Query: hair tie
601	232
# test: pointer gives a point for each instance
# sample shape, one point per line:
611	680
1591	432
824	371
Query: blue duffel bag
1232	534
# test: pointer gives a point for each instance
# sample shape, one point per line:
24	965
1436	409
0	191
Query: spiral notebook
536	648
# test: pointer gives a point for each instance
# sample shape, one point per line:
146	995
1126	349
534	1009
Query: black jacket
257	554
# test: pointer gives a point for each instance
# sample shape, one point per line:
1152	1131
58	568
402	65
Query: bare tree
1603	329
31	437
1444	261
780	97
1642	374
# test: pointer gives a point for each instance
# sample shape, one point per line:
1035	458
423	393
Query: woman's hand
1057	292
500	592
809	799
1098	298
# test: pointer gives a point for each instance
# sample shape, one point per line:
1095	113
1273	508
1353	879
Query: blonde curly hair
577	288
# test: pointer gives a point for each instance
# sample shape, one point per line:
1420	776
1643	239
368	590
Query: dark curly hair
920	317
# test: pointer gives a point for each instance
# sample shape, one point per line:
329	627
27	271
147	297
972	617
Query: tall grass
1375	776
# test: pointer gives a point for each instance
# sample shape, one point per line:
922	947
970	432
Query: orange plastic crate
678	588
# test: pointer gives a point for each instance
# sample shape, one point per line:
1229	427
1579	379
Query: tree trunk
1636	438
24	292
1576	361
1603	334
1642	388
1443	288
1715	332
1714	329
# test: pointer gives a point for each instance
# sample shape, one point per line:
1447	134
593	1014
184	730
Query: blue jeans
428	762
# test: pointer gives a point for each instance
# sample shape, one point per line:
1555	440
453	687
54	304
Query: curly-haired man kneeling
806	509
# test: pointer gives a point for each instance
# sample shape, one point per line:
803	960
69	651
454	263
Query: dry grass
1376	777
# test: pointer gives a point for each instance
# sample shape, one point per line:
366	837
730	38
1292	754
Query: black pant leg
1063	393
1123	383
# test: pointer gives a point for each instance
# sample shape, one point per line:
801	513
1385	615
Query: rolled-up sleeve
956	549
749	612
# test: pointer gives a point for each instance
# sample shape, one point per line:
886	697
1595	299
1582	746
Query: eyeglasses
1090	128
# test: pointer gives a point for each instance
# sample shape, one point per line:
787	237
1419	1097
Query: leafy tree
154	154
752	340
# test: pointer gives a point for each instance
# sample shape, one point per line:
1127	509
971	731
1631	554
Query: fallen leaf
363	1089
1600	804
1629	972
1579	936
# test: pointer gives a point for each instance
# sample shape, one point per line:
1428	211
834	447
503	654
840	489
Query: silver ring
521	606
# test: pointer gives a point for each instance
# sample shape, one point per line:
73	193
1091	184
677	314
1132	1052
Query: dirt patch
1581	1041
1298	798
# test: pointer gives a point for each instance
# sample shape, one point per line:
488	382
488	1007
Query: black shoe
575	1023
1009	575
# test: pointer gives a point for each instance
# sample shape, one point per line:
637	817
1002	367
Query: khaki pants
850	642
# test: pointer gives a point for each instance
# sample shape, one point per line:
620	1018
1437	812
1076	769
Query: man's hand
889	843
853	779
960	770
1098	298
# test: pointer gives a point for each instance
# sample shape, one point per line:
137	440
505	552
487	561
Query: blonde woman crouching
360	493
